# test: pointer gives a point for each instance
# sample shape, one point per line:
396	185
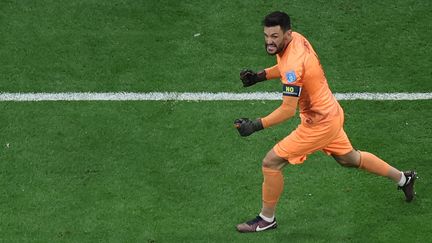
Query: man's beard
279	48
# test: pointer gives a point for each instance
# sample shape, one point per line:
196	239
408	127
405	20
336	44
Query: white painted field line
160	96
383	96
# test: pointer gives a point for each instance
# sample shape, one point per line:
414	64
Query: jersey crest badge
290	76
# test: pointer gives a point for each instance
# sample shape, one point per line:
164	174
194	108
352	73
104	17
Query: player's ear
287	35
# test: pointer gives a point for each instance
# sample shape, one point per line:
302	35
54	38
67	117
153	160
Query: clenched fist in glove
249	77
246	127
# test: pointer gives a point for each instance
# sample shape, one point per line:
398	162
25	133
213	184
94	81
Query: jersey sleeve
292	72
292	80
272	72
284	112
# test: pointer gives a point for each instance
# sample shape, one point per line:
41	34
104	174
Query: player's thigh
339	146
342	150
303	141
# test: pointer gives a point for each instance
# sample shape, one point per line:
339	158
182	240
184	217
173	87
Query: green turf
179	172
127	45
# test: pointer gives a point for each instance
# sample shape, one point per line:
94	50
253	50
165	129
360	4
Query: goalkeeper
322	118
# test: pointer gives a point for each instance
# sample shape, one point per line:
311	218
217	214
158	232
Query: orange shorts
329	137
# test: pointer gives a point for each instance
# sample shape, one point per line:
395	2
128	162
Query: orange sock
272	187
371	163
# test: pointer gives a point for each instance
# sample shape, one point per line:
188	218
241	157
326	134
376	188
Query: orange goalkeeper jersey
301	75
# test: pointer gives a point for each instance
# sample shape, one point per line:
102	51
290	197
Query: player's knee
272	161
344	162
352	159
267	162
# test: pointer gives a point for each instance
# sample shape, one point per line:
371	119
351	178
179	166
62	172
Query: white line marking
125	96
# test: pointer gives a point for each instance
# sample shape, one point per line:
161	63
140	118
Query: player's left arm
284	112
292	86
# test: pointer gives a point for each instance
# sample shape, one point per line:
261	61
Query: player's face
275	39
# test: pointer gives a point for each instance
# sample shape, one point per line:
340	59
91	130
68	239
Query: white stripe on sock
267	218
402	179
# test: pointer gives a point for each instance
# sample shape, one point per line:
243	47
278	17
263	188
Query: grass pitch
178	171
128	45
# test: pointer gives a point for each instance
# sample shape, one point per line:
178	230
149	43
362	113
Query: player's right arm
249	77
272	72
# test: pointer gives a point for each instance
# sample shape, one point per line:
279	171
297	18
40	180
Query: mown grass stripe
155	96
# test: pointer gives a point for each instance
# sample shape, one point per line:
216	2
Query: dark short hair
278	18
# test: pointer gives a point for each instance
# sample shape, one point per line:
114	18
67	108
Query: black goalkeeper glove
249	77
246	127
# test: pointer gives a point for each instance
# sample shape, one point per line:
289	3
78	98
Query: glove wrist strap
261	76
258	126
